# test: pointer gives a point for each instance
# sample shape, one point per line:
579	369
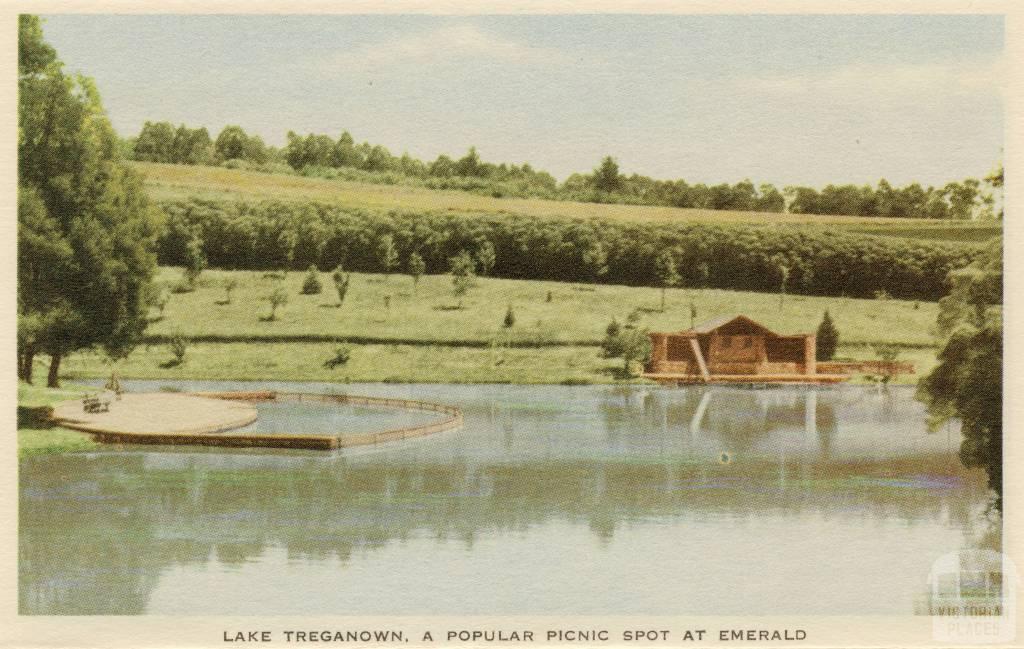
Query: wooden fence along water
451	421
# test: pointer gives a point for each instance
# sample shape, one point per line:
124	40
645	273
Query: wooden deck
201	419
748	378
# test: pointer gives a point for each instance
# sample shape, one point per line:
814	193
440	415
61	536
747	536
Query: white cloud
452	43
887	80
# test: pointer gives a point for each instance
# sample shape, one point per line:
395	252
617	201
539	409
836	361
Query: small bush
341	356
179	347
311	284
277	298
510	318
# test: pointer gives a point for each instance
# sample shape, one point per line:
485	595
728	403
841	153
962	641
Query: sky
805	100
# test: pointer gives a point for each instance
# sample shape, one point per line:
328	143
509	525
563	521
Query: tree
155	143
387	256
341	283
606	177
311	283
967	383
231	143
610	346
666	273
230	284
463	270
99	227
630	343
416	269
195	263
827	338
485	257
278	297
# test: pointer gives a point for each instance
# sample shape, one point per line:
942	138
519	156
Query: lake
550	500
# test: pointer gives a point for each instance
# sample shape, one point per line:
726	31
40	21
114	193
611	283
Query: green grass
35	435
391	363
397	363
165	181
423	338
576	315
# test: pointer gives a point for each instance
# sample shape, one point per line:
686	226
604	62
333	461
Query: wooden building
734	350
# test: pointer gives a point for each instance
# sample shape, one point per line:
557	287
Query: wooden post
695	346
810	355
659	351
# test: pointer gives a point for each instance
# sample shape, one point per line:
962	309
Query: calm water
551	500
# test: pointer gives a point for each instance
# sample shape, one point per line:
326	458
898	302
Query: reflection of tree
97	531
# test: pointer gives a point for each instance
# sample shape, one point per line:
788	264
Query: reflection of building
734	349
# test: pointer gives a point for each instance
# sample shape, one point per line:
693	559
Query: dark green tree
606	177
99	227
155	143
967	383
827	338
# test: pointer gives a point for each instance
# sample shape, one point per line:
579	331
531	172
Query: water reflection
133	531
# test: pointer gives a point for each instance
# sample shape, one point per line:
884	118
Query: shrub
311	284
463	270
416	269
827	338
277	298
510	318
230	284
341	356
179	346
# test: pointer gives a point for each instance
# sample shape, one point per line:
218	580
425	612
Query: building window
748	341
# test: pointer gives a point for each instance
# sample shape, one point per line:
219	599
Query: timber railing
451	421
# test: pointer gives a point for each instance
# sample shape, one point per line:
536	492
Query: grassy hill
165	181
424	336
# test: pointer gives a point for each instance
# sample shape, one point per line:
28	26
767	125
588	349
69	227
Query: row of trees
162	142
322	155
86	231
270	235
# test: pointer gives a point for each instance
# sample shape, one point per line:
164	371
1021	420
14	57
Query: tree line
322	156
271	235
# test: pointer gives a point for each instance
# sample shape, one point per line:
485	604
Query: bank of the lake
293	361
39	436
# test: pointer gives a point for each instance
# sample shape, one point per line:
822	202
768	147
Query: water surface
550	500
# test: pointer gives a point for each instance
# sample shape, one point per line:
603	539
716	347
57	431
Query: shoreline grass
36	435
395	364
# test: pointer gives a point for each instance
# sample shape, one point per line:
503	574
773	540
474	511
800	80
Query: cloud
452	43
860	80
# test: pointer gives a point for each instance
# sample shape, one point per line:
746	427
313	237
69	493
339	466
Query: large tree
967	384
86	230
